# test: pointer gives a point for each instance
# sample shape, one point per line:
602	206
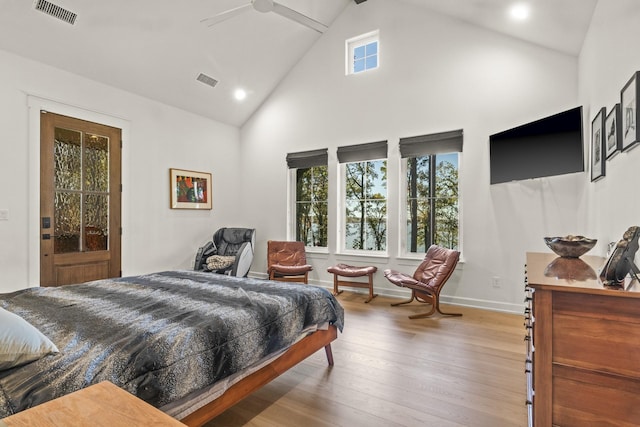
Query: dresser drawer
598	344
597	332
587	398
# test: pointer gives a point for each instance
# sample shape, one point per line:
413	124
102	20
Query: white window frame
404	244
291	212
342	220
355	42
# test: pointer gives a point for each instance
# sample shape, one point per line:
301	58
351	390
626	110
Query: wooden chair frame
426	299
428	280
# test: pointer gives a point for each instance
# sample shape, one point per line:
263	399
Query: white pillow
21	342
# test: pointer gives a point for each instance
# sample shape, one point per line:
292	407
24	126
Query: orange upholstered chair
287	261
428	279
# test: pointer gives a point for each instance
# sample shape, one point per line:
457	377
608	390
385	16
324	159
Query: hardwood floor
393	371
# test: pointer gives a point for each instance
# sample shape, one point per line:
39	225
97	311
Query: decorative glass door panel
81	171
96	193
79	200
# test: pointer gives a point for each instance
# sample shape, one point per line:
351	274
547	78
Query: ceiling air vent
56	11
207	80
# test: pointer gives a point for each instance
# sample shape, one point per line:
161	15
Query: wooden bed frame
294	355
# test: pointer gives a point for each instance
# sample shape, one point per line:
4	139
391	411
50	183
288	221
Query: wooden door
80	192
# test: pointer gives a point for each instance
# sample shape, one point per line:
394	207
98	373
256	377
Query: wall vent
56	11
207	80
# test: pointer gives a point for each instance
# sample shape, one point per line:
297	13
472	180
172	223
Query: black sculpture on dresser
621	262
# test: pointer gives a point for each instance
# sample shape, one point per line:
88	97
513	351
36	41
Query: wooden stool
352	271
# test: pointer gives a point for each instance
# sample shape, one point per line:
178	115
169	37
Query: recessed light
519	11
240	94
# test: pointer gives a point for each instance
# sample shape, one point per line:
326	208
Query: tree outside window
311	205
432	202
366	205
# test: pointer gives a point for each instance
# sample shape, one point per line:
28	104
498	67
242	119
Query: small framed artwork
189	189
629	112
613	132
597	146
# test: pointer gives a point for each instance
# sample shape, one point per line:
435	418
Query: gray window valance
435	143
307	159
362	152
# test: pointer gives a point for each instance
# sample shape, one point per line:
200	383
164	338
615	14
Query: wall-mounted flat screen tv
546	147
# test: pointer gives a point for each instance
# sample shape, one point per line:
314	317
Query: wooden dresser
583	345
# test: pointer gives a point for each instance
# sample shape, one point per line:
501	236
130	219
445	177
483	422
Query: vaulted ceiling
158	48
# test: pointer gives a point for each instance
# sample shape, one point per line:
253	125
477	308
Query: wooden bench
344	270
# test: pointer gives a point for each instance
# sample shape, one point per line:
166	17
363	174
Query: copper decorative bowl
570	246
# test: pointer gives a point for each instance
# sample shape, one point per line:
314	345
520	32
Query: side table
102	404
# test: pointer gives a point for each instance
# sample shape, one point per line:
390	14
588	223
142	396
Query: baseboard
484	304
403	294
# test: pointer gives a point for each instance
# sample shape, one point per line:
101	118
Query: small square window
362	53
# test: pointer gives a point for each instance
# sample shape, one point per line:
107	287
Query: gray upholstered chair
428	279
230	252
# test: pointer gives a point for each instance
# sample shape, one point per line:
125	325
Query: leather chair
428	279
237	245
287	261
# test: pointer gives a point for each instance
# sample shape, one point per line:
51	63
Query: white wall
607	62
156	138
436	74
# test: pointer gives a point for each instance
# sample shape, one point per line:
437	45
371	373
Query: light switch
4	214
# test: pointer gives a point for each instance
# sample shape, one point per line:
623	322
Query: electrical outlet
495	282
4	214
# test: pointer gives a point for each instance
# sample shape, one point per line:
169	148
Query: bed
190	343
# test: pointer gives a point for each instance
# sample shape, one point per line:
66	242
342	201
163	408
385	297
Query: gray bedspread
159	336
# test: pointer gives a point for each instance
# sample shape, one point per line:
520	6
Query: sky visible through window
365	57
451	158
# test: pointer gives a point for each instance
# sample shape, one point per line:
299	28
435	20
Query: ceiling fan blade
299	18
226	15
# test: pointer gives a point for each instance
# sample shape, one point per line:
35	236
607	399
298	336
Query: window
311	205
365	196
366	205
362	53
431	209
311	183
432	201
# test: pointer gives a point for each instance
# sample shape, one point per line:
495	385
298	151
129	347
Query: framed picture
613	132
597	146
629	112
189	189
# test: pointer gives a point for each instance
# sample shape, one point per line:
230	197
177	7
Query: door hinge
121	231
120	143
121	188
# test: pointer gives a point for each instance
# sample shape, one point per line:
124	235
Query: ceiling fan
267	6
